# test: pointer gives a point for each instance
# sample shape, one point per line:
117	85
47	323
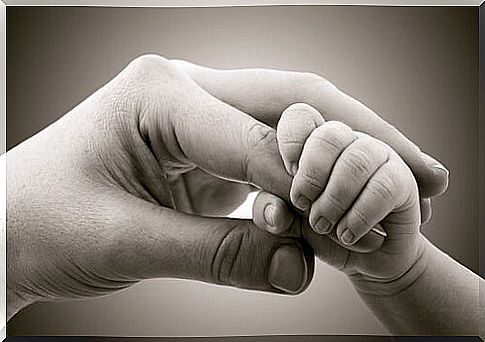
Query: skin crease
356	181
127	185
90	201
284	88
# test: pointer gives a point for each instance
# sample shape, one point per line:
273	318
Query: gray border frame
212	3
218	3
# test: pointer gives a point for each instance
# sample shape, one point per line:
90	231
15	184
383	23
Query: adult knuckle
260	141
304	80
148	61
310	79
260	137
182	63
150	66
309	83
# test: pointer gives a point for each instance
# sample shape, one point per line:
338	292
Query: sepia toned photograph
242	171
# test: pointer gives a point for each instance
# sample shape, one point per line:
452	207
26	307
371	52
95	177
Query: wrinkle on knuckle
362	219
295	130
284	133
261	140
311	180
341	191
382	187
260	136
334	201
331	135
226	254
331	142
357	161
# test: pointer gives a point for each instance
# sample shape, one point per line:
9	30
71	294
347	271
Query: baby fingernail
302	202
347	237
322	226
288	270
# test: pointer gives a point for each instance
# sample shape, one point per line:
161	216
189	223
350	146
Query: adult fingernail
441	168
347	237
293	169
426	210
322	226
288	270
437	180
433	163
302	202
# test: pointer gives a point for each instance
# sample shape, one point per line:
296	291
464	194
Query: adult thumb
156	242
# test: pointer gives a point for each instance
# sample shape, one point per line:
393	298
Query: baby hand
349	183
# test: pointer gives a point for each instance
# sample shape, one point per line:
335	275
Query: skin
353	182
130	184
93	200
276	90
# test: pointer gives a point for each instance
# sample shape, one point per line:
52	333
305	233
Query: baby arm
349	183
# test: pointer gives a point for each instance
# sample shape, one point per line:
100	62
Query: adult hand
265	94
91	198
